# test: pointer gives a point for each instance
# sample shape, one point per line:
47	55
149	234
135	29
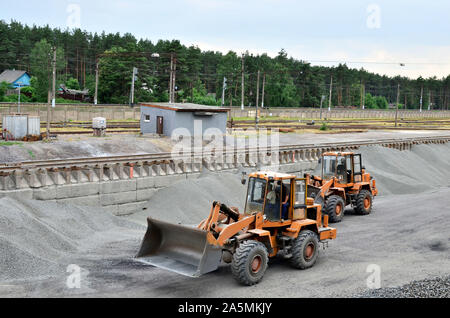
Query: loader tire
305	250
364	202
249	262
334	208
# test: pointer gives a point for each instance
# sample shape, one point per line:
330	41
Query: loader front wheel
249	262
364	202
305	250
334	208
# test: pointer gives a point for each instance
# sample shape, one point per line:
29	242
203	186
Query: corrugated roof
186	107
10	76
74	91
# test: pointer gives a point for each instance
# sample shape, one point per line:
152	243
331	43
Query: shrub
324	127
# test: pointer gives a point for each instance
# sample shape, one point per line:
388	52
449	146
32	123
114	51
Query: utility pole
242	89
361	92
18	103
54	79
331	92
398	101
174	76
171	78
364	96
53	93
321	104
135	72
96	83
224	86
257	100
429	100
263	88
421	98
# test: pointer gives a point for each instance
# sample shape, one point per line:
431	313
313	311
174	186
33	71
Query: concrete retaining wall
68	112
122	197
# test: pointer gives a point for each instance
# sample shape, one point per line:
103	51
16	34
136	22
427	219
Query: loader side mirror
243	178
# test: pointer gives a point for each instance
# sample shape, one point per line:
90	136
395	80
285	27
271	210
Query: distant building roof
187	107
10	76
73	91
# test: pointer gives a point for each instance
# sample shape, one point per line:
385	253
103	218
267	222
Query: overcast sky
412	32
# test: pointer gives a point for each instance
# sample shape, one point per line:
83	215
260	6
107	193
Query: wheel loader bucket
180	249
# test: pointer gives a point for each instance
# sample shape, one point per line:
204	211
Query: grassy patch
9	143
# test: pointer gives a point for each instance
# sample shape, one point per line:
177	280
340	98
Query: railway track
338	121
89	132
317	127
196	153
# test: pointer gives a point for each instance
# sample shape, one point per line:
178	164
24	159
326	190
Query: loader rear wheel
249	262
364	202
334	208
305	250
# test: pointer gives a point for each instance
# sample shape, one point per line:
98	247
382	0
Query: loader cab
266	193
256	194
345	167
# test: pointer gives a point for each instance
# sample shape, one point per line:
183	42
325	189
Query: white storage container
99	123
15	126
34	125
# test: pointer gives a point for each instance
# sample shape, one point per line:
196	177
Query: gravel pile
189	201
424	168
438	287
397	172
36	235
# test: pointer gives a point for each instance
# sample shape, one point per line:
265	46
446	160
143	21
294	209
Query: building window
147	118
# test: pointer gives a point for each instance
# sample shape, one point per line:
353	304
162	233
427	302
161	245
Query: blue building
15	78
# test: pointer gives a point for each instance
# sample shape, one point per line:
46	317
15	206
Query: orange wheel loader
343	181
278	219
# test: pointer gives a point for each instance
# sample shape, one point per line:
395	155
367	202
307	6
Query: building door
160	125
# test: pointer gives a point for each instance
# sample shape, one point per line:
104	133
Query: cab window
329	166
341	170
357	163
256	194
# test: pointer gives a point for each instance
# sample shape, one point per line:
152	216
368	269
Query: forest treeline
287	82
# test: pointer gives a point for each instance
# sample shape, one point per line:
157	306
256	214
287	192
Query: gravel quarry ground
406	237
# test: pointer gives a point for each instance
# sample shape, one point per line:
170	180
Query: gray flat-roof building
164	118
